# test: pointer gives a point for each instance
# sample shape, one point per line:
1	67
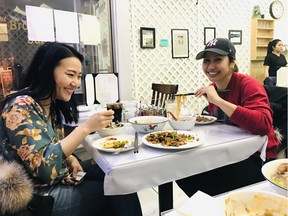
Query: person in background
273	61
246	105
33	133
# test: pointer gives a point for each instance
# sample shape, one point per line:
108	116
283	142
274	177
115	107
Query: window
17	49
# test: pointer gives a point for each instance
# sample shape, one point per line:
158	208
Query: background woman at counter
31	126
245	105
273	61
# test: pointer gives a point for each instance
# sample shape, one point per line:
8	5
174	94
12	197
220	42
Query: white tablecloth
129	172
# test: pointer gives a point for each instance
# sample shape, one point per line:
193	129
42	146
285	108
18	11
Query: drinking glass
130	109
171	106
117	108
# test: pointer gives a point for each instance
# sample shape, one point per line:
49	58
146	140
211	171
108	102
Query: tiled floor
149	200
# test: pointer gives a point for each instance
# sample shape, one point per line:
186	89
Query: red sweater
253	111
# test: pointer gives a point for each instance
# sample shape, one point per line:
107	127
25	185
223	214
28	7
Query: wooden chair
163	92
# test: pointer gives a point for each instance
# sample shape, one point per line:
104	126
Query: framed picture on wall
147	37
235	36
209	34
180	43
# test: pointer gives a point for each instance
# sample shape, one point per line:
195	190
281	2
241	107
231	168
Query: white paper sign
40	23
66	26
89	29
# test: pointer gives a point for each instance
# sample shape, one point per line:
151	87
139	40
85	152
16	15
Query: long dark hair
232	59
39	81
272	44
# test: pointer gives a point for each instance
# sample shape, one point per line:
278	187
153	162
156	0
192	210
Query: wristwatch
276	9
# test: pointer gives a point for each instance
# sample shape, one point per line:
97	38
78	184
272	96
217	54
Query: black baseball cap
221	46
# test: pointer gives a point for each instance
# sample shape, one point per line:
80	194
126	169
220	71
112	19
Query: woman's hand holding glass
99	120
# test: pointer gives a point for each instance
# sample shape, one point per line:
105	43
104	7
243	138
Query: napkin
282	77
199	204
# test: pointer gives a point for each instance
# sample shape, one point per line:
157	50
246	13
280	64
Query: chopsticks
173	116
187	94
136	143
192	93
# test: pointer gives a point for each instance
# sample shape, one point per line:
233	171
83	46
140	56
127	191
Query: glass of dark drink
117	108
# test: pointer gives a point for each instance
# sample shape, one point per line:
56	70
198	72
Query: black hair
232	59
272	44
39	81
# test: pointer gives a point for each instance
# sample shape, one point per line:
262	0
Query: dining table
128	172
216	204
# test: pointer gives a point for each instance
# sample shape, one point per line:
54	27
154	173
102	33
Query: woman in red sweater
245	105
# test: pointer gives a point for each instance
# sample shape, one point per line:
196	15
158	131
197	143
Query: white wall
138	67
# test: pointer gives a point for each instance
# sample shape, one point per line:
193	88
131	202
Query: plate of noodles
173	139
116	143
205	119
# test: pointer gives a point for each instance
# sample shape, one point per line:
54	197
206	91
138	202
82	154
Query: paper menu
199	204
106	86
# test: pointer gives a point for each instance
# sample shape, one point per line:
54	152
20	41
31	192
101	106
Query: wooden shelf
262	32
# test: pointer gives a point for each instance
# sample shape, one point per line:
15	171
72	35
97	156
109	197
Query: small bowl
255	203
270	169
183	123
147	124
116	129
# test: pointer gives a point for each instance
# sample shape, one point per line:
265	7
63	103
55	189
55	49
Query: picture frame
235	36
180	43
147	38
209	34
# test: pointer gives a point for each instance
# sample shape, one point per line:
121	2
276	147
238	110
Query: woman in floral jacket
32	132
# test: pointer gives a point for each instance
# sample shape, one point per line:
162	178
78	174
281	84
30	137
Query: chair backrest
163	92
278	103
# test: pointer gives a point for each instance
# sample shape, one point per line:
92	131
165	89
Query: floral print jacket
25	127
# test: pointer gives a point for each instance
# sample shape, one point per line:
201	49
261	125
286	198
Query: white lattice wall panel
157	65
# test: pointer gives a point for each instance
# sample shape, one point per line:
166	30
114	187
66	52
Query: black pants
88	197
225	178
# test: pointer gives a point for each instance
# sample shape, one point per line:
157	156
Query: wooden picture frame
180	43
147	38
235	36
209	34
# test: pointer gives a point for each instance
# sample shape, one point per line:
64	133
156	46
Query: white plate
213	119
98	143
186	146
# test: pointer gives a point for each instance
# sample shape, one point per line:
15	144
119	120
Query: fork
120	150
